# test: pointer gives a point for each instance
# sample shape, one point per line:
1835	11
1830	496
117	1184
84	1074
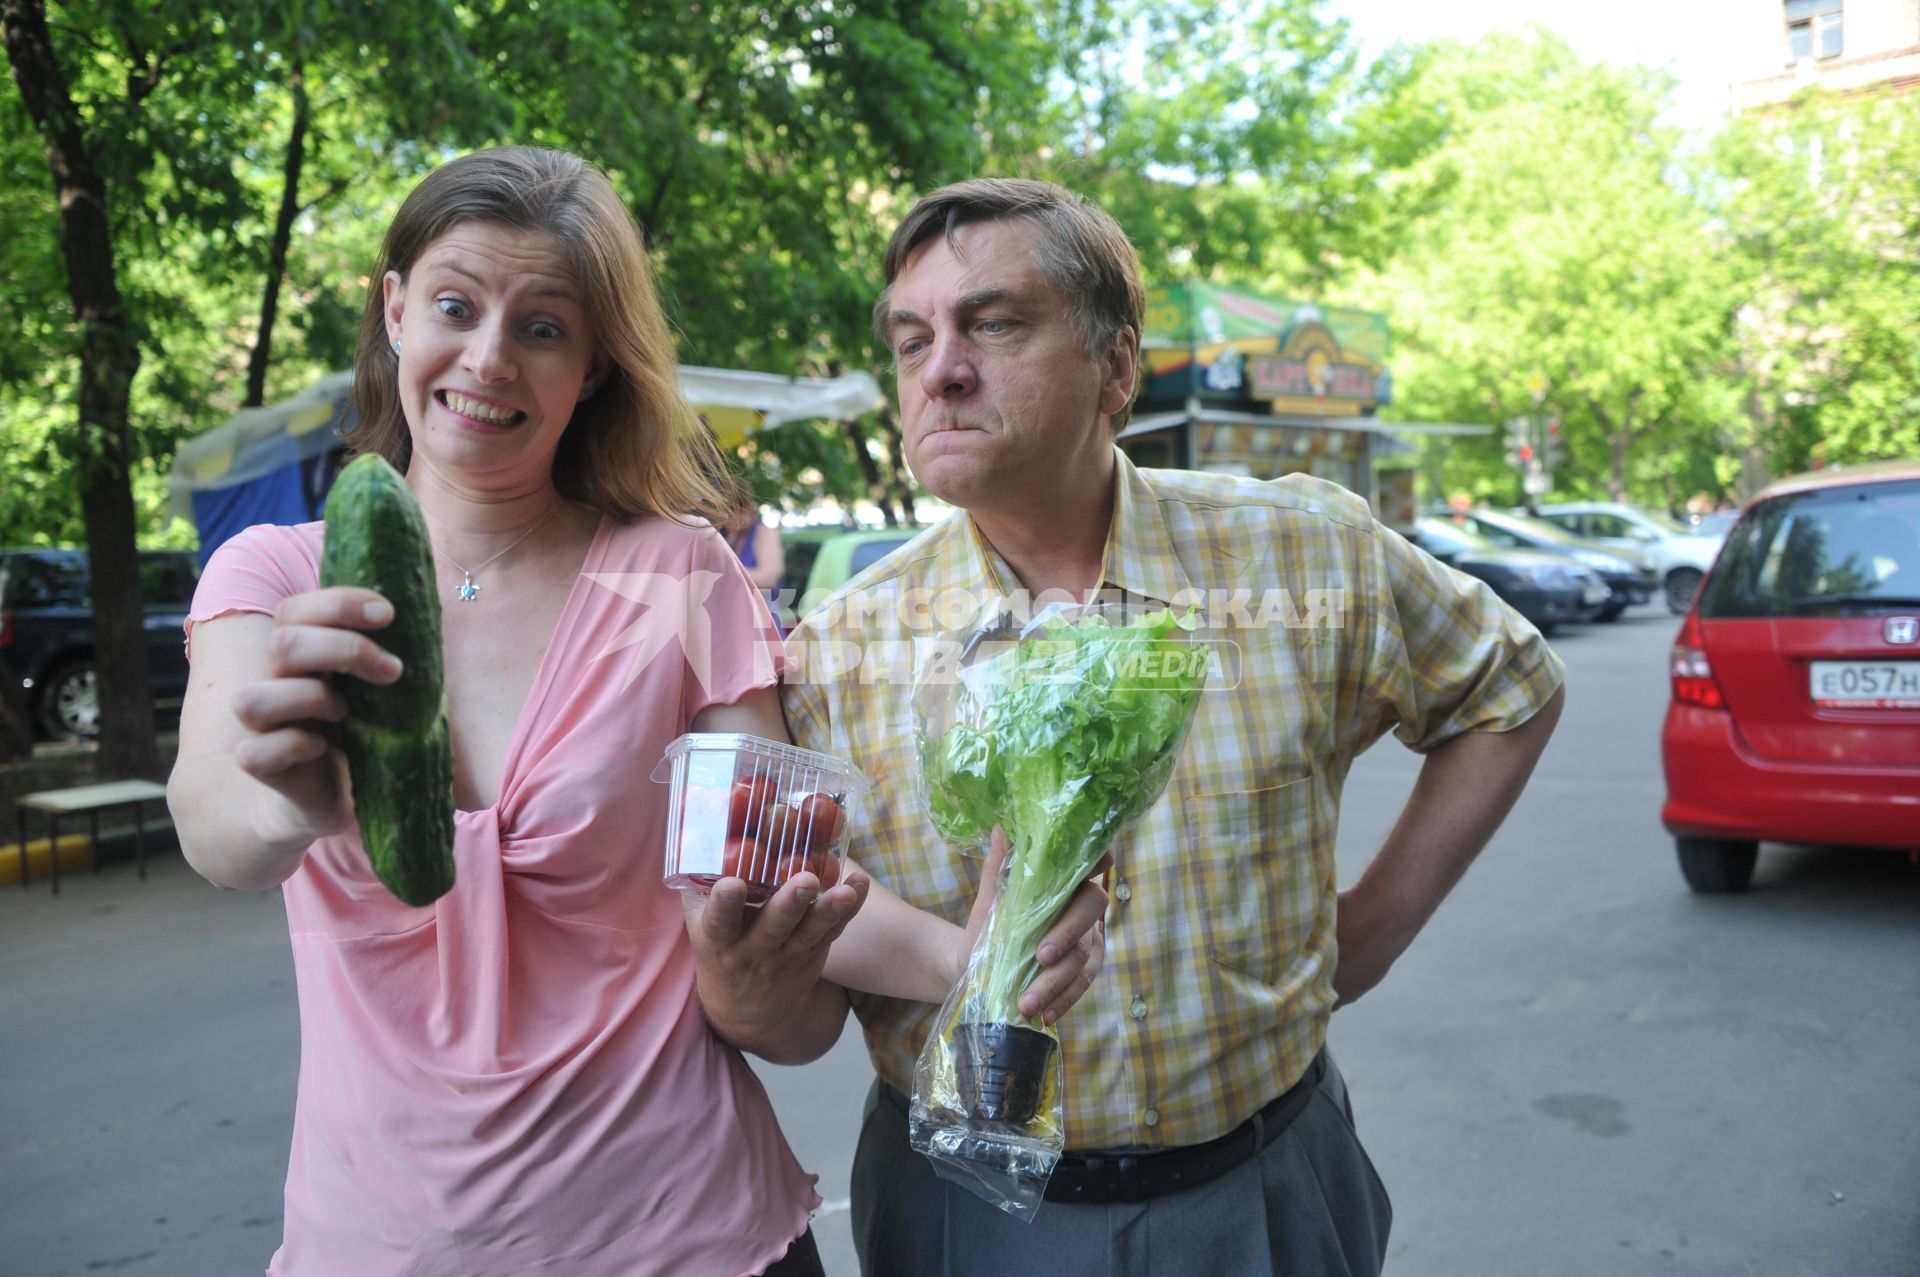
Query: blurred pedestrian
761	552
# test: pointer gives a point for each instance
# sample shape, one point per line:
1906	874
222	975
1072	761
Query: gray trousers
1310	1205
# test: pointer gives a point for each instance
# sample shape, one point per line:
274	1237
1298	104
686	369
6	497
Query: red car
1796	678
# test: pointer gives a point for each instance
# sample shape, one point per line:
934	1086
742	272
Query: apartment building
1785	46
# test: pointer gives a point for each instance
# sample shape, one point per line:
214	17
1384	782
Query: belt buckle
1110	1179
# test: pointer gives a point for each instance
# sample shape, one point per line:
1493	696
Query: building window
1813	29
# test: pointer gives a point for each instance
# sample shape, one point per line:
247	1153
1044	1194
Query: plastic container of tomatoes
755	809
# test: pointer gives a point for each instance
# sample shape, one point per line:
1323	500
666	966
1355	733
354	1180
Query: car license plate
1865	684
1596	592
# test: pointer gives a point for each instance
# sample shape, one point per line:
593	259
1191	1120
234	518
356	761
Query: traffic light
1519	443
1553	450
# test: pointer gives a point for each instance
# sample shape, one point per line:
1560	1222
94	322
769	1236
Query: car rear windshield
868	553
168	579
52	580
1665	522
1438	536
1823	553
61	579
1524	528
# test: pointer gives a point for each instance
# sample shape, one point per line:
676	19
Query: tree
1244	143
1816	205
351	80
146	117
767	151
1564	248
109	358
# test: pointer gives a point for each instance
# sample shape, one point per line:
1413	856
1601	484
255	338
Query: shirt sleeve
1448	656
803	700
741	640
252	572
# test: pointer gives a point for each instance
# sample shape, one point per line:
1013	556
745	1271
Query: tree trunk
16	723
878	489
109	358
900	478
1619	438
282	236
869	469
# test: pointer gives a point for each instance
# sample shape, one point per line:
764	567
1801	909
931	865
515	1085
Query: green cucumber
398	745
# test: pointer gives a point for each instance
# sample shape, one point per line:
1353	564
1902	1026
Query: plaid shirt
1220	937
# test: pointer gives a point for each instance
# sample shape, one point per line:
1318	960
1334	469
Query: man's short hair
1082	251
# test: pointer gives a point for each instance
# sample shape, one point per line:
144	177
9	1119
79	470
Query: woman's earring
586	392
396	345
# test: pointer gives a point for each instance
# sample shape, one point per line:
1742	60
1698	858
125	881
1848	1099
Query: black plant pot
1001	1070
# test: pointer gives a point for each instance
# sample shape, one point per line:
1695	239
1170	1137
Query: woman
761	553
528	1076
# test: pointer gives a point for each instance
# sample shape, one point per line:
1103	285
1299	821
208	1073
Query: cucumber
398	745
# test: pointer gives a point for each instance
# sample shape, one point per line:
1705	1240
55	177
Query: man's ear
394	297
1123	372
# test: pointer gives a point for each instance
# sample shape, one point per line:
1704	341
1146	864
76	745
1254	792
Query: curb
78	853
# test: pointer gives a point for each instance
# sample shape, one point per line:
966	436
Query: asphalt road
1579	1068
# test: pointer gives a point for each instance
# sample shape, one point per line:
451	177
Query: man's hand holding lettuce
1062	738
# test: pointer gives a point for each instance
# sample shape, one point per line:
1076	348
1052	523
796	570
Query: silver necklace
469	591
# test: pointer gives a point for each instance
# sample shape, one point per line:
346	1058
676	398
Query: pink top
517	1079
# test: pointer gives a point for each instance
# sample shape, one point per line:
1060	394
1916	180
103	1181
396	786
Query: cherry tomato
785	831
741	859
825	868
828	820
747	804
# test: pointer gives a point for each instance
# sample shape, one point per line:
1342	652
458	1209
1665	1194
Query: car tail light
6	628
1693	682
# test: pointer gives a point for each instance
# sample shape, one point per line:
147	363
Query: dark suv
46	633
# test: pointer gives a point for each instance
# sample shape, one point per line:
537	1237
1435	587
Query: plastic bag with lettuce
1062	736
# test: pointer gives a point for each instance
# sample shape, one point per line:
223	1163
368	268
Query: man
1013	309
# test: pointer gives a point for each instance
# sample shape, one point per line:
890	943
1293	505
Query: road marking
833	1206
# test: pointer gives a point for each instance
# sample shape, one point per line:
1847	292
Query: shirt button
1123	892
1152	1117
1138	1009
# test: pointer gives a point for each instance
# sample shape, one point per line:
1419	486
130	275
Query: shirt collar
1140	556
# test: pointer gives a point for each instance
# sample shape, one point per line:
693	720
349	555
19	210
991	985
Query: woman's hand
759	970
291	741
1069	954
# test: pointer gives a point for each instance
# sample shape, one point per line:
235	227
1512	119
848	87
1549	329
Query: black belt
1093	1177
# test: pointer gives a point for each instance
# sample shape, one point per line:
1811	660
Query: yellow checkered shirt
1220	937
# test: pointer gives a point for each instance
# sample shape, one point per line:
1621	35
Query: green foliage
788	465
1243	143
1702	316
1818	206
763	149
1705	317
1562	248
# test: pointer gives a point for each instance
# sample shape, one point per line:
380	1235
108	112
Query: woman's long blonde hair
633	448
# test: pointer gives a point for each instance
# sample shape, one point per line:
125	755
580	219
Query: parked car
1795	713
1629	578
821	560
1715	524
46	633
1547	589
1678	554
